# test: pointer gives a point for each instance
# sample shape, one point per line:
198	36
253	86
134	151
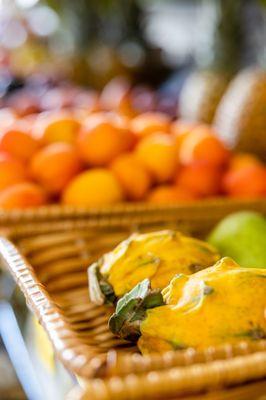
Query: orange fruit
241	160
102	139
199	178
22	195
181	129
247	182
11	171
18	142
157	152
56	127
169	194
94	187
55	165
150	122
132	175
202	145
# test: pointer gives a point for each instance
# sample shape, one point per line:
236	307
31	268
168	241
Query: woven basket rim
55	211
110	364
248	390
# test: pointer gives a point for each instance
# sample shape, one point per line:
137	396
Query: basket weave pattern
51	269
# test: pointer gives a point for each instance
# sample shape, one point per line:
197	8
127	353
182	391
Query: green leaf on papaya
138	292
131	310
101	292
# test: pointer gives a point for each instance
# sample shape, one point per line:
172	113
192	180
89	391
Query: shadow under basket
48	258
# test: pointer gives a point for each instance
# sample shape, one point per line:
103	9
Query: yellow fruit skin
132	175
158	154
157	256
221	304
56	128
95	187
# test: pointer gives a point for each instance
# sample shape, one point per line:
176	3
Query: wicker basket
197	217
52	275
249	391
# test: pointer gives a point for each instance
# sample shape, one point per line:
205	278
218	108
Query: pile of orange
97	158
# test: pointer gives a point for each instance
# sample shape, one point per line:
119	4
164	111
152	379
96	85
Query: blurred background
155	44
201	60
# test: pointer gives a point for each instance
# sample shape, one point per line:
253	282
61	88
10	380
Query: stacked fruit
173	292
88	158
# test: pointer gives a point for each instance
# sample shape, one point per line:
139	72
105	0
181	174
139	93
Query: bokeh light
43	21
26	3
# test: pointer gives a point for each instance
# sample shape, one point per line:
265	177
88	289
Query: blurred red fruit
241	160
248	182
102	139
132	175
200	178
22	195
18	142
55	165
11	171
202	145
169	194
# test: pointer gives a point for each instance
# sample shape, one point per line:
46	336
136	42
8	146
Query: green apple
242	236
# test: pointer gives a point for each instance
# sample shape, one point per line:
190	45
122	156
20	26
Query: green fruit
242	236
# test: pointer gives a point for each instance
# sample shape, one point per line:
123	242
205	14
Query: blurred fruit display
54	166
217	58
158	154
16	141
103	138
11	171
98	186
121	141
134	178
90	150
22	195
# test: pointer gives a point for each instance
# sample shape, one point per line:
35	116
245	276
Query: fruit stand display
132	211
98	157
